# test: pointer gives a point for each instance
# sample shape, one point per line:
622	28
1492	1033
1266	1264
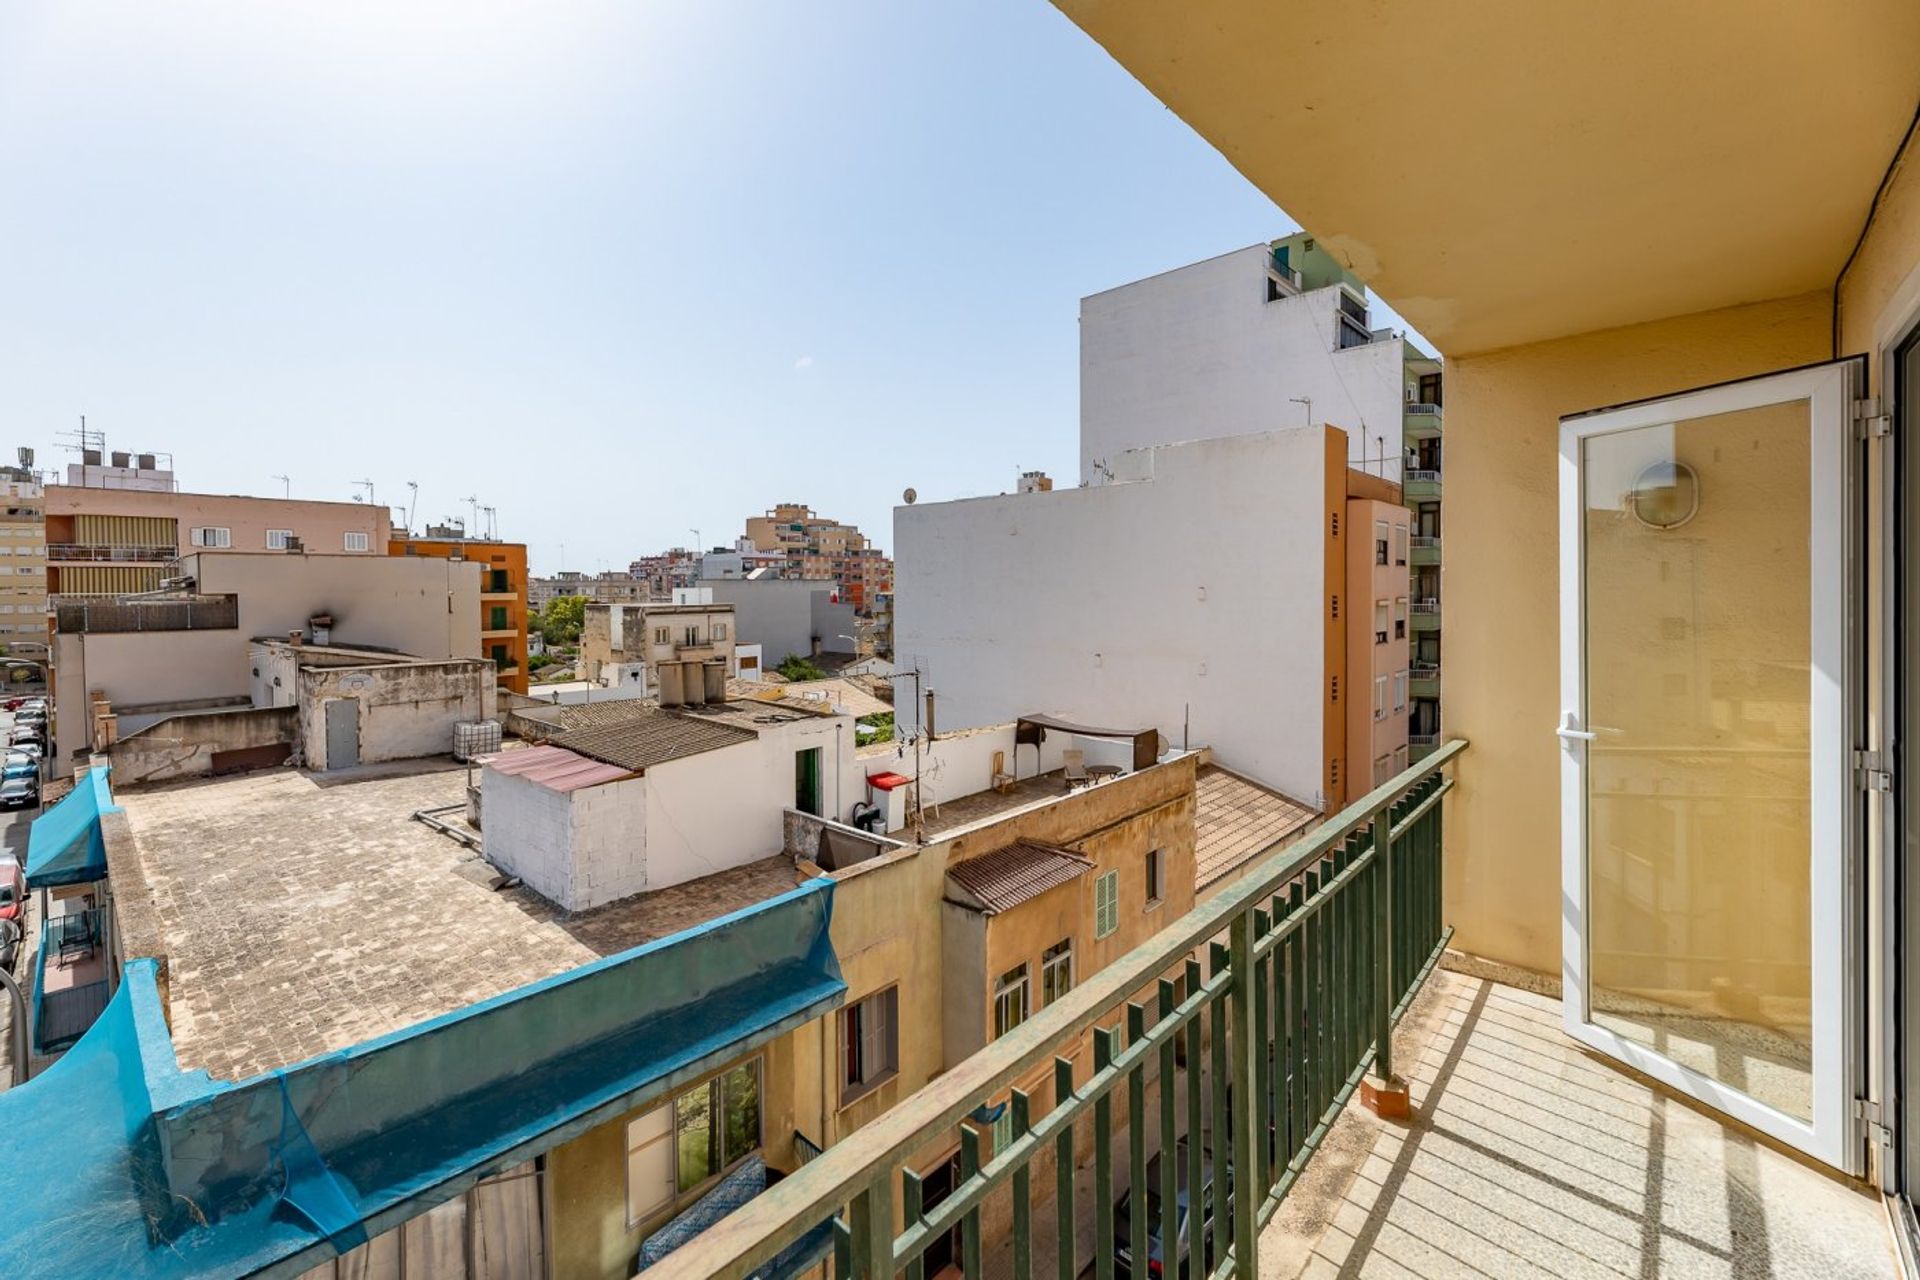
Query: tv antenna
363	484
286	485
413	497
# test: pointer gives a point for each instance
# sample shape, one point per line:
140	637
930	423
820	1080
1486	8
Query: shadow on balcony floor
1531	1157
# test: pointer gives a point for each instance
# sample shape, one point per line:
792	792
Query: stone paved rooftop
303	913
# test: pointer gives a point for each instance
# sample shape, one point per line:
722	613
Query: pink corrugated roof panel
556	768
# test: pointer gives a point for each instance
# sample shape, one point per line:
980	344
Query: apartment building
23	563
121	530
632	645
815	547
504	589
605	588
1213	590
1270	336
788	617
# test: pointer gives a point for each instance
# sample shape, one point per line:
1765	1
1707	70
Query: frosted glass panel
1698	678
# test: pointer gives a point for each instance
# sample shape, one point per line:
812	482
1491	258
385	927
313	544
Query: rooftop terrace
305	913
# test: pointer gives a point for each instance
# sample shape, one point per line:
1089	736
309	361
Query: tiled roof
1005	878
1235	818
653	736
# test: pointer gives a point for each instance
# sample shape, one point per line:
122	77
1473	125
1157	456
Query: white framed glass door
1708	680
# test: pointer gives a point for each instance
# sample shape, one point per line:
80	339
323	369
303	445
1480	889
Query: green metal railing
1328	940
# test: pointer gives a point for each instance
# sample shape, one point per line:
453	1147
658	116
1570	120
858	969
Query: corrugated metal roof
1005	878
656	736
556	768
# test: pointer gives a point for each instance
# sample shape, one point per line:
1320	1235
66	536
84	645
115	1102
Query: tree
795	667
561	620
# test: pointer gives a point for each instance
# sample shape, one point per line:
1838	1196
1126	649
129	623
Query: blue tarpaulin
65	845
140	1169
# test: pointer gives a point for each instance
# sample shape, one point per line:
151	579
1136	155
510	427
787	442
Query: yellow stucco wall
1500	585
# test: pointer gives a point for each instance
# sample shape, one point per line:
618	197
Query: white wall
1127	605
723	808
962	765
1199	352
609	838
527	831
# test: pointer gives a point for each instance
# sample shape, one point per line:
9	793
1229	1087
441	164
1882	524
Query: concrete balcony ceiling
1505	172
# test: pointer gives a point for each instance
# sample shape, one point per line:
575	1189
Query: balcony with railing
100	552
1421	421
1422	482
1321	979
1231	1075
70	981
1286	277
1426	548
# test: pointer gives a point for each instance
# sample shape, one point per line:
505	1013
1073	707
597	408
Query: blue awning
142	1170
65	845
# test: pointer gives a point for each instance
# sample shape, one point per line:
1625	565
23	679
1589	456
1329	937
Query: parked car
29	713
19	793
24	767
23	733
31	750
13	891
1123	1221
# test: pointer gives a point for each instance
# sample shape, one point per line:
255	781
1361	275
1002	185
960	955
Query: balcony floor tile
1529	1156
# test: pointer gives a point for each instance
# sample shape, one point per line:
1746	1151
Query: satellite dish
911	496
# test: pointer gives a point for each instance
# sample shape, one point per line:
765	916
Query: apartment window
210	536
1399	759
1400	618
356	542
1400	691
649	1164
869	1043
1009	1001
277	539
497	618
1382	769
690	636
501	659
1399	544
682	1145
1056	971
719	631
1334	601
1156	877
1106	904
497	581
1379	621
1379	697
1379	541
661	635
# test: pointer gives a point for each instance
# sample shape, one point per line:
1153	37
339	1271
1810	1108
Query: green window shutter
1106	904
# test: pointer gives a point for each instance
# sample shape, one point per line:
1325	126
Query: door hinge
1869	423
1871	771
1869	1114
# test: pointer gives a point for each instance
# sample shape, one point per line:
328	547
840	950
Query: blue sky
620	270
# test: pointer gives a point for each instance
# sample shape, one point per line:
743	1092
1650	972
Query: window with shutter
1106	904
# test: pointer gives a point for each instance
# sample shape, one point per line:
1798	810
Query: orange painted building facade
503	596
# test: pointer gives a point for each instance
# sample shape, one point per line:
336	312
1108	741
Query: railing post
1383	1093
1246	1196
873	1230
1383	943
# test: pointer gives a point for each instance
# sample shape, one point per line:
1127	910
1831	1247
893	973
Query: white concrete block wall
609	842
1199	352
528	832
1196	593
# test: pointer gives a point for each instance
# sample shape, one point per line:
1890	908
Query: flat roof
302	913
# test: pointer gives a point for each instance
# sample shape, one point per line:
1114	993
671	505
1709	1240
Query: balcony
100	553
1426	549
1422	484
70	985
1326	947
1421	421
1285	278
1425	615
1424	682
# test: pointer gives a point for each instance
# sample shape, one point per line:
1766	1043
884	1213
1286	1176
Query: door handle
1571	734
